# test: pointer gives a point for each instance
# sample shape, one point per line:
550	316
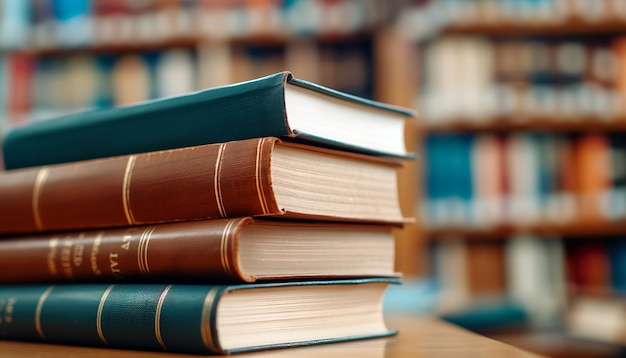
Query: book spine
202	250
178	318
247	110
212	181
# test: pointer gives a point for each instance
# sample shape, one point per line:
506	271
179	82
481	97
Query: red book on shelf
588	268
20	69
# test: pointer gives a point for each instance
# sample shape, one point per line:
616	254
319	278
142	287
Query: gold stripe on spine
42	299
224	247
142	250
157	317
259	167
99	314
126	189
216	181
205	321
42	175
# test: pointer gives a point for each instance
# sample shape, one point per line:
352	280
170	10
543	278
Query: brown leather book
239	249
486	269
256	177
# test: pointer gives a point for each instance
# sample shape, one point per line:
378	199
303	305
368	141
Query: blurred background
519	189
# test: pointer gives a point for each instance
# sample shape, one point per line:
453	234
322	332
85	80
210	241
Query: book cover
523	174
195	318
254	177
589	267
175	73
486	270
487	172
21	71
275	105
208	251
617	196
4	84
536	278
131	83
617	265
594	176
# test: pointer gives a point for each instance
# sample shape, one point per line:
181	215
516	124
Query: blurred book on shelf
479	81
524	272
481	181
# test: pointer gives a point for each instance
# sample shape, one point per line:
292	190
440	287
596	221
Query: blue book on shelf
617	261
437	180
460	190
547	177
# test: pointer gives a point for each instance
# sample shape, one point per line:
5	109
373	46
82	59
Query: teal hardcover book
276	105
195	318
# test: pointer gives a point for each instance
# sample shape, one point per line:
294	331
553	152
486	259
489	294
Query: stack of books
252	216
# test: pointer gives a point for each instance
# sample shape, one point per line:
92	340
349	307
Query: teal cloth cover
240	111
176	318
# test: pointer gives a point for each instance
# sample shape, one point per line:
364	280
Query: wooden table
419	337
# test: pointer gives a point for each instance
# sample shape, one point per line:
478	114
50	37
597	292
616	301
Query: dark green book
195	318
277	105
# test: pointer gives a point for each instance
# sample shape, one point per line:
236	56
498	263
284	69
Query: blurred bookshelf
546	124
523	170
600	229
571	26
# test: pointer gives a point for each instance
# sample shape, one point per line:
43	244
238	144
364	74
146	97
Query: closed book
220	250
254	177
617	265
589	267
275	105
195	318
486	270
594	177
20	71
131	83
535	273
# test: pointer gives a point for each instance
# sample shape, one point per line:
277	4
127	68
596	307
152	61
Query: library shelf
510	124
191	42
568	27
579	229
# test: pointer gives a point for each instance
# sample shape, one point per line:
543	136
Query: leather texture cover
212	181
204	251
223	180
241	111
176	318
